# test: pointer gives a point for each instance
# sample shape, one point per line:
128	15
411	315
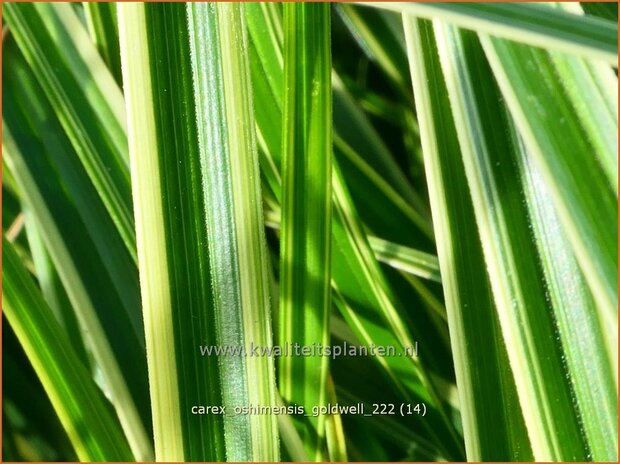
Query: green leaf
353	127
103	30
252	258
293	446
87	101
51	288
201	247
305	256
358	381
529	23
35	126
527	317
27	407
409	260
362	292
483	374
363	295
92	429
406	259
334	430
11	208
207	86
580	330
387	209
569	132
94	266
380	40
367	162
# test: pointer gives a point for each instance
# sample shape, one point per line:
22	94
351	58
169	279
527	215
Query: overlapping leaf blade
103	29
305	256
479	354
516	278
588	360
531	23
565	145
52	288
409	260
364	295
28	397
366	160
251	254
199	227
195	81
81	406
379	40
93	264
84	96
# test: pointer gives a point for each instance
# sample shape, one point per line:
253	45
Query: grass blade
374	33
409	260
136	24
92	429
364	294
503	284
51	288
334	432
366	160
28	396
355	269
306	211
529	23
353	127
103	30
575	311
249	229
406	259
79	257
601	9
479	354
36	128
191	142
538	359
84	95
564	147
